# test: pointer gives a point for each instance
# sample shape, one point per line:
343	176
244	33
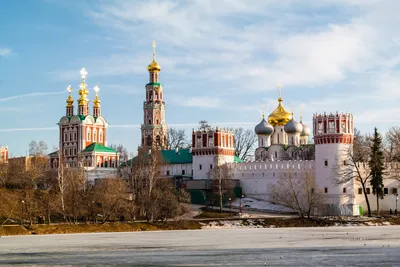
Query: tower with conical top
154	129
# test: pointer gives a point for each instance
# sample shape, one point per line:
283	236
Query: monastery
83	140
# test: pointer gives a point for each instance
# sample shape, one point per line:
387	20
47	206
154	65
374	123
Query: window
385	191
278	137
74	151
345	162
344	190
183	172
394	190
359	191
65	137
94	135
200	167
312	190
276	154
88	134
149	121
74	136
210	166
326	189
326	163
368	191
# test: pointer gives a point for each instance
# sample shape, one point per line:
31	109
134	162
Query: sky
220	60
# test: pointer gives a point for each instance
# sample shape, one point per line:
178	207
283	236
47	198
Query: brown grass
13	230
112	227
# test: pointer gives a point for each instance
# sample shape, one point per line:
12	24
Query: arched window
278	138
149	142
158	140
89	133
151	95
101	136
94	135
262	141
156	95
149	121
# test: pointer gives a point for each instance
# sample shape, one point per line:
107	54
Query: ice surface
324	246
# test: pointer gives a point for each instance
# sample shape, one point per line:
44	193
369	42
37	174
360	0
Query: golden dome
153	66
70	101
280	116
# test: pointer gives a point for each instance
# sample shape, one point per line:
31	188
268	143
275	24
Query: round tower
333	138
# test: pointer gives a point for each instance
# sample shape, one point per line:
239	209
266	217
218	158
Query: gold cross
280	89
154	49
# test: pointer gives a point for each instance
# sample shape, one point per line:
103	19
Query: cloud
5	52
4	99
29	129
202	102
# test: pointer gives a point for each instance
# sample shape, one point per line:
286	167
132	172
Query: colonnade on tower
154	131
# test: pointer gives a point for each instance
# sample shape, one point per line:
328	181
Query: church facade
83	137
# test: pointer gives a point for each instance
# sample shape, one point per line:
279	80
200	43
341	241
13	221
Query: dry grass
13	230
112	227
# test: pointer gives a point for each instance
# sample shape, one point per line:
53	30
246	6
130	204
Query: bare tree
204	126
37	148
244	142
61	180
123	152
177	139
222	182
353	166
392	144
302	152
297	193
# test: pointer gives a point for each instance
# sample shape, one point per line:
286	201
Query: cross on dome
96	89
83	73
69	88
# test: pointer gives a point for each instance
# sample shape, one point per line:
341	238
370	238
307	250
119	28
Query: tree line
32	192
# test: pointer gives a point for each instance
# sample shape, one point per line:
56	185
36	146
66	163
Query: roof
180	157
169	156
96	147
154	84
237	159
55	153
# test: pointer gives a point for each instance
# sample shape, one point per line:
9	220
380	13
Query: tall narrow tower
333	138
154	129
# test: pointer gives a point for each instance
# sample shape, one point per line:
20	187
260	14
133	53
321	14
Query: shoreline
205	224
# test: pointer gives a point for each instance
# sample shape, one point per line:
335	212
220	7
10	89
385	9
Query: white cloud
202	102
5	52
29	95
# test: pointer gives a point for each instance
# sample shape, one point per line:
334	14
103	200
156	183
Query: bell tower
154	129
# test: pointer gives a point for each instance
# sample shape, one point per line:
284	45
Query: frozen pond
333	246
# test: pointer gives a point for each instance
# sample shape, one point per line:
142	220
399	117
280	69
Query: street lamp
230	204
240	207
22	210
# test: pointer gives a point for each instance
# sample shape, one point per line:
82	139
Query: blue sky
220	60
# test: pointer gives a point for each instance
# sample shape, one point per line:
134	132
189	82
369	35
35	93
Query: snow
256	204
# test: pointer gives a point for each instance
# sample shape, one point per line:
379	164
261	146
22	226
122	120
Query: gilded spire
154	67
280	92
83	92
70	101
96	101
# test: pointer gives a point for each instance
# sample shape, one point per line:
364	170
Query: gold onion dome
96	101
280	116
154	66
69	101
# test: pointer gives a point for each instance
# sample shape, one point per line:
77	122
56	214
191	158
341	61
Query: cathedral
83	136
